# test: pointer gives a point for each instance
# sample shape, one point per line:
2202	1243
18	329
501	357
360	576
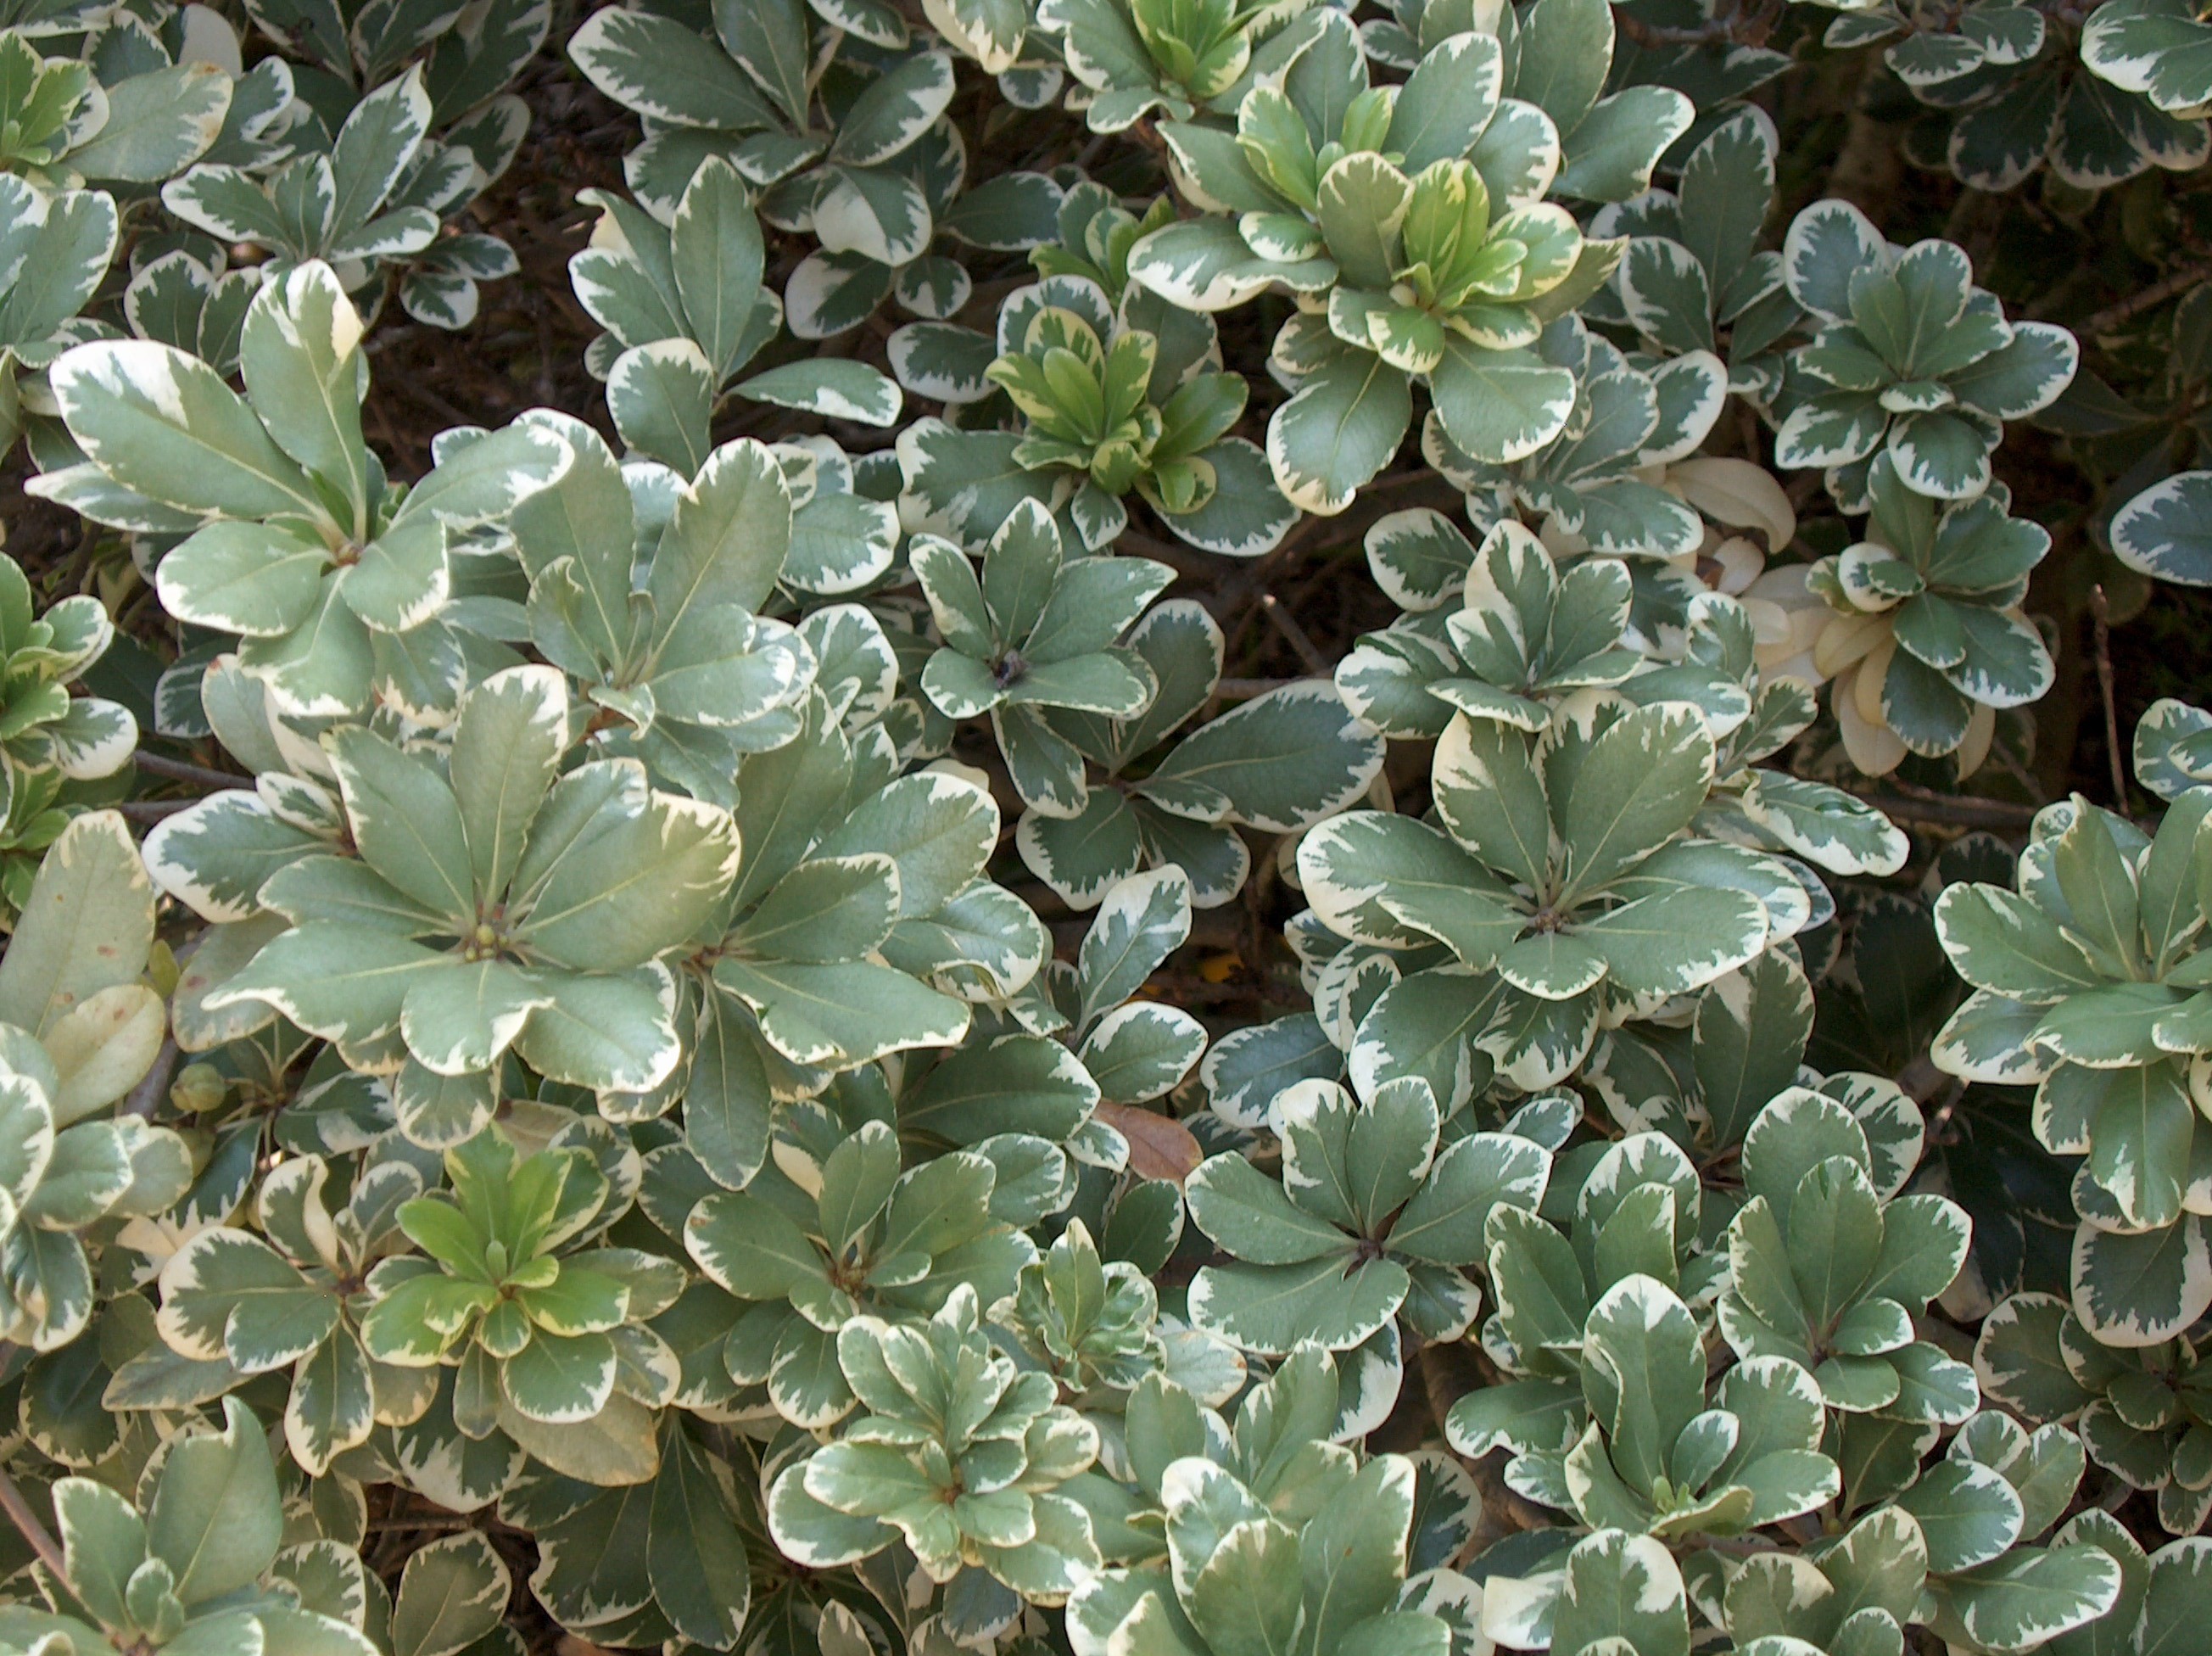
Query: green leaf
1499	406
2004	942
716	258
894	110
1244	1069
1341	427
2180	1594
2137	1290
608	1032
1205	264
1235	1599
1968	1513
1351	1553
2160	531
1645	1376
559	1379
261	580
104	1542
1636	787
332	1405
86	925
163	424
1142	1051
299	353
407	824
1624	1588
725	544
1248	1214
1677	940
659	68
1565	51
330	979
1280	761
1492	797
840	391
1141	921
696	1554
1446	102
215	1518
227	1294
638	883
841	1012
1611	152
1362	202
939	829
1446	1220
2030	1595
875	213
751	1248
1667	293
1338	1300
1017	1083
157	124
661	396
826	909
453	1593
507	746
459	1016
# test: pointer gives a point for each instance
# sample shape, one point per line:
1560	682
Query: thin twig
153	1086
153	810
2144	299
1183	560
2101	615
1953	1093
27	1523
1921	1080
177	770
1295	636
2001	815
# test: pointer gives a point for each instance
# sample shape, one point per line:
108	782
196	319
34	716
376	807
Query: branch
146	1097
1186	561
177	770
28	1523
2101	635
153	810
1999	815
2144	299
1295	636
1922	1081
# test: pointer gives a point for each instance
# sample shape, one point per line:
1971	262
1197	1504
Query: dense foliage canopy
1231	828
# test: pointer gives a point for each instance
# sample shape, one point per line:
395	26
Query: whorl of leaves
794	1009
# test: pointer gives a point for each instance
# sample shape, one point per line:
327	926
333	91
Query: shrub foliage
726	1018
